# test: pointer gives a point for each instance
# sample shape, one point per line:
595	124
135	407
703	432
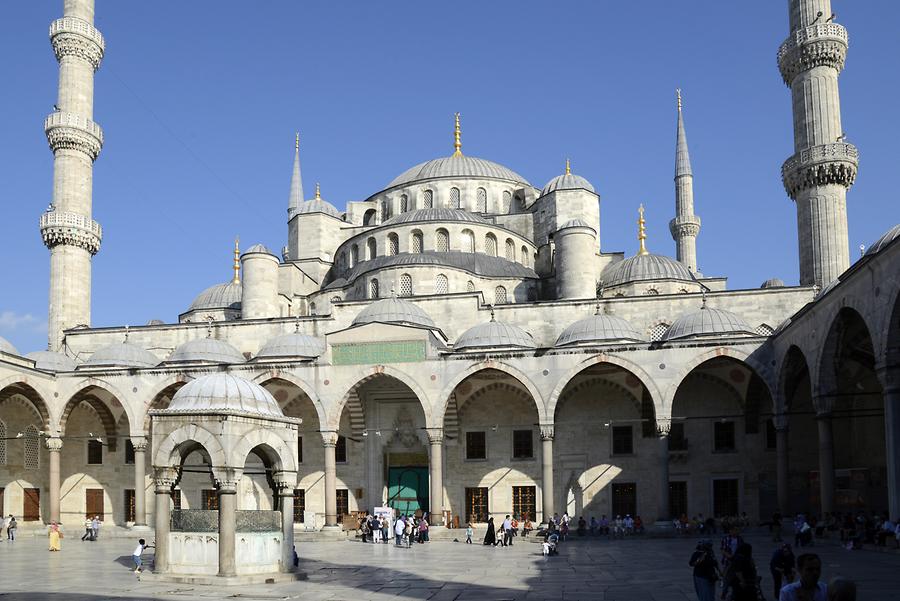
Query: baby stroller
551	545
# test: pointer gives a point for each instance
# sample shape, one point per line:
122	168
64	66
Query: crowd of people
853	530
406	529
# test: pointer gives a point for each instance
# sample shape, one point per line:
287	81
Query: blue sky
199	102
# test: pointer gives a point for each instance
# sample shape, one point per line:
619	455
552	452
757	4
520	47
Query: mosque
462	343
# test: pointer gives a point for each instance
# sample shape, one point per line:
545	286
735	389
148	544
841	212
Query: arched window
404	203
312	308
657	331
499	295
652	292
369	217
481	201
507	202
32	448
385	209
354	255
525	256
510	249
454	198
470	286
415	244
373	288
468	241
2	442
442	241
342	261
370	249
490	245
393	244
406	285
428	199
441	284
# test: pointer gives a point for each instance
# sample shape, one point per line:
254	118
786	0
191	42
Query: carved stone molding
68	131
226	487
663	427
164	479
72	229
140	444
329	438
547	431
71	36
685	225
435	435
822	165
823	45
54	444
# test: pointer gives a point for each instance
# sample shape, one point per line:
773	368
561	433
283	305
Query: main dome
395	310
457	166
647	267
224	392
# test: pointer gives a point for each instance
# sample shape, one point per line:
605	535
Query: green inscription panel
403	351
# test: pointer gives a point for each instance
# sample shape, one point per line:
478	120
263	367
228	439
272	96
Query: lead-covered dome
123	354
292	345
708	322
645	267
773	283
206	350
494	334
567	181
220	296
224	392
457	166
318	205
439	214
51	361
598	328
885	239
7	347
394	310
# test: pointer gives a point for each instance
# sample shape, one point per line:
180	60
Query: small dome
567	181
220	296
577	223
205	350
598	328
494	334
122	354
156	322
259	248
640	268
439	214
457	166
886	238
7	347
224	392
394	310
51	361
292	345
707	322
319	205
773	283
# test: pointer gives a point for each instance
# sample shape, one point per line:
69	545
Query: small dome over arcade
708	322
599	328
224	392
394	310
206	350
885	239
567	181
292	345
51	361
494	334
7	347
122	354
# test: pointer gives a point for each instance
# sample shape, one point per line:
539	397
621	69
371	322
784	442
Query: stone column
826	462
662	436
286	487
54	446
329	441
781	465
163	480
436	476
227	492
547	471
890	383
140	476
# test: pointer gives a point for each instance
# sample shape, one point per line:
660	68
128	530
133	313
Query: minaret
686	225
823	166
66	226
294	201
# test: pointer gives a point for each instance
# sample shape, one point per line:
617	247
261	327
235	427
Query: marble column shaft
287	529
436	477
329	440
662	509
892	449
547	472
826	462
162	515
781	470
140	479
227	526
54	446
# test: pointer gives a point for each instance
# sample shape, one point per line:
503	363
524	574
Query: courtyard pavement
589	570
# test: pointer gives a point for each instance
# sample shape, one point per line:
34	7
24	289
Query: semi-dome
439	214
773	283
457	166
220	296
318	205
122	354
885	239
394	310
292	345
224	392
598	328
567	181
494	334
7	347
205	350
51	361
645	267
707	322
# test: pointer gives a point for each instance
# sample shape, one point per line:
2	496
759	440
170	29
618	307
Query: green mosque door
408	489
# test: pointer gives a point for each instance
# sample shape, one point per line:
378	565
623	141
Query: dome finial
492	313
703	292
237	262
297	324
318	194
568	167
642	231
209	327
457	143
126	334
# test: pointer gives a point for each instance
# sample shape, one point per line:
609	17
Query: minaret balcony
70	131
819	45
821	165
73	229
72	36
684	225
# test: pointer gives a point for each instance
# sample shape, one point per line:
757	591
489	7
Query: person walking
507	532
136	556
741	577
808	587
782	567
490	537
706	571
408	532
11	527
88	530
776	527
54	535
399	527
470	532
95	527
386	530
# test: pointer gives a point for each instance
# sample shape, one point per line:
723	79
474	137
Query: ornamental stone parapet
685	225
817	46
72	229
71	36
820	166
73	132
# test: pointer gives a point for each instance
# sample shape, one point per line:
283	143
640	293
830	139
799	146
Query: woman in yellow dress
55	535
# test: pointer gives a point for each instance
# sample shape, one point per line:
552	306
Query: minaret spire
457	142
296	197
685	226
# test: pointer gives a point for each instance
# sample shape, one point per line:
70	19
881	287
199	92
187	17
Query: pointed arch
274	375
373	372
278	453
183	441
755	366
849	345
28	389
793	369
165	389
87	391
490	364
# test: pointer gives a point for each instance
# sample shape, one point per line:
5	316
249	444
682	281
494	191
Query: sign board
309	520
386	513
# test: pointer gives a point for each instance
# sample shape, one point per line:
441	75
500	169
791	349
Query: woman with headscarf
706	571
54	535
490	537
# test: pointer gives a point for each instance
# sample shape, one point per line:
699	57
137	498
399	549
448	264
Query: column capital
286	483
435	435
226	487
329	438
888	377
663	427
547	431
140	443
164	479
54	444
781	421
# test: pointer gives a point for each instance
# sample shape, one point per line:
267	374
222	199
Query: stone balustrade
60	227
820	45
71	36
821	165
74	132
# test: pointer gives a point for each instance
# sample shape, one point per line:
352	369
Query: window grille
416	242
481	201
406	285
404	203
340	450
499	295
510	250
370	249
524	505
441	284
623	441
476	505
490	245
393	244
454	198
2	443
525	256
32	448
507	202
385	209
764	330
470	286
658	331
442	241
299	505
428	199
523	444
468	241
373	288
476	445
343	503
94	452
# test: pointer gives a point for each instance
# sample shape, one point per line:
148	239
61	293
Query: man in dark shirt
706	571
782	567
